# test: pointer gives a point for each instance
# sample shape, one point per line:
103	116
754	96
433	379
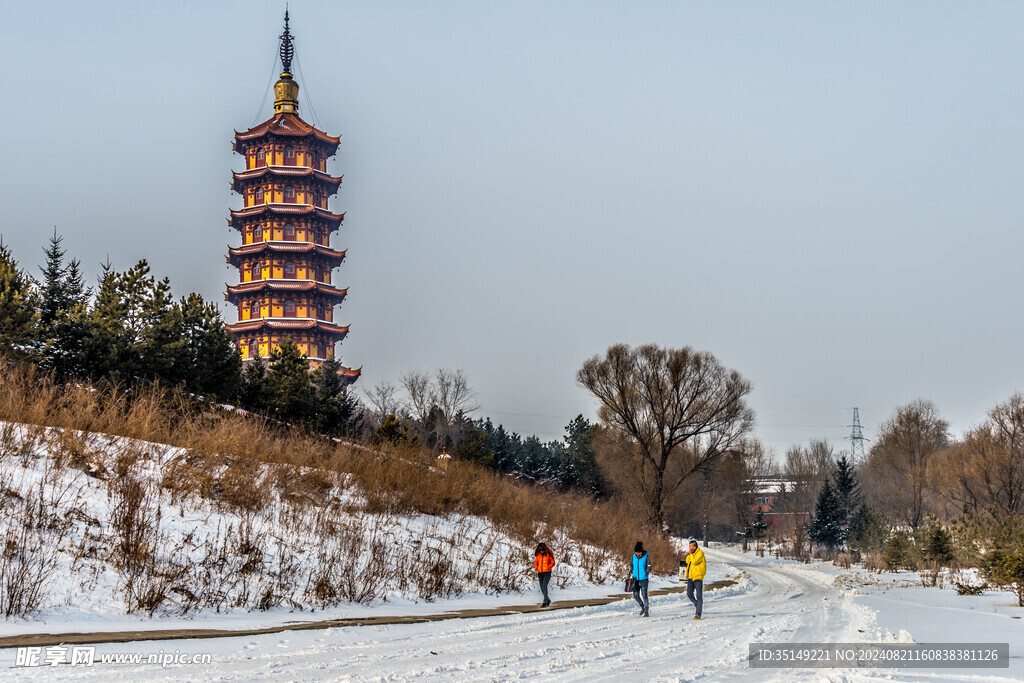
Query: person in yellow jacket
696	568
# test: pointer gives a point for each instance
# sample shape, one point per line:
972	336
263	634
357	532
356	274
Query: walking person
544	562
696	568
641	578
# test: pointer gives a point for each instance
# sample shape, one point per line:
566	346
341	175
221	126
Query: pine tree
62	285
938	545
336	409
17	305
211	365
578	463
290	390
868	530
1004	567
136	319
473	447
847	491
827	527
254	393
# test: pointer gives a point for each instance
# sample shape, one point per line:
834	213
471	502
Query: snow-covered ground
774	600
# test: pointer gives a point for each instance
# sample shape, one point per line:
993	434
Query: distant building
285	262
773	496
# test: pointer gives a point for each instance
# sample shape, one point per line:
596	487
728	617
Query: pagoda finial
286	90
287	48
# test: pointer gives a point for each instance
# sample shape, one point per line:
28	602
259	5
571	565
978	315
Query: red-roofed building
285	262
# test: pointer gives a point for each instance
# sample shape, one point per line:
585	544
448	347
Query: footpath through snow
772	601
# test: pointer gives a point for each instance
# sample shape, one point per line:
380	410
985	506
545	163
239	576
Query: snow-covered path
770	603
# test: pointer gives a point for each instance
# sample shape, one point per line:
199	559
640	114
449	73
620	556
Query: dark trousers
696	586
545	579
640	588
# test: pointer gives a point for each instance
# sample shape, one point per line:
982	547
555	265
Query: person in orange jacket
544	562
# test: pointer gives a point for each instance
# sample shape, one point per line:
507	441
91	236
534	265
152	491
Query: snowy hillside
99	527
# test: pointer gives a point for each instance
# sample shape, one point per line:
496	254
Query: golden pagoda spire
286	90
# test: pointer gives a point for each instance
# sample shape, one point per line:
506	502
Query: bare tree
901	465
987	467
383	399
420	393
806	469
680	408
453	400
438	403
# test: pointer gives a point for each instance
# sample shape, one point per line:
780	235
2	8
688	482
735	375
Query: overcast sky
824	195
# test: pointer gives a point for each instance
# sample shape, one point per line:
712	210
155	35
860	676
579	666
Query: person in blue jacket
641	577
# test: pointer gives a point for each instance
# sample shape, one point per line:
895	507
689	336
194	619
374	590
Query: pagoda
285	262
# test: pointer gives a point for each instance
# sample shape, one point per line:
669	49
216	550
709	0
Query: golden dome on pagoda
286	90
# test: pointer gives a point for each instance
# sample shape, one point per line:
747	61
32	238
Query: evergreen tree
255	390
135	317
210	364
868	530
336	408
394	431
757	528
938	545
17	305
898	551
75	346
473	447
847	491
62	285
577	468
827	526
290	393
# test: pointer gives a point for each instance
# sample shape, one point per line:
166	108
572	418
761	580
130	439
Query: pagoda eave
286	171
286	125
286	324
278	286
286	210
236	254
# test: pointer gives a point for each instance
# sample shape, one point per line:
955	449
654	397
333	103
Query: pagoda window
261	156
257	232
315	160
254	348
289	152
254	310
289	308
320	313
289	231
259	194
289	193
289	268
319	272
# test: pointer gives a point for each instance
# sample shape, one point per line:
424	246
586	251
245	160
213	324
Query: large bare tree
680	408
438	403
987	467
901	467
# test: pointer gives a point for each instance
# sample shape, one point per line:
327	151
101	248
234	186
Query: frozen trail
606	642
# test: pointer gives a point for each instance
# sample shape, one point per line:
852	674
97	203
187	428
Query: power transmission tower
856	438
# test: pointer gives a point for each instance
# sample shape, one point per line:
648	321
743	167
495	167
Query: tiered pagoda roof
241	177
300	286
237	254
285	210
289	324
286	125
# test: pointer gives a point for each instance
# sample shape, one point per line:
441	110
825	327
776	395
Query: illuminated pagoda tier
285	263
